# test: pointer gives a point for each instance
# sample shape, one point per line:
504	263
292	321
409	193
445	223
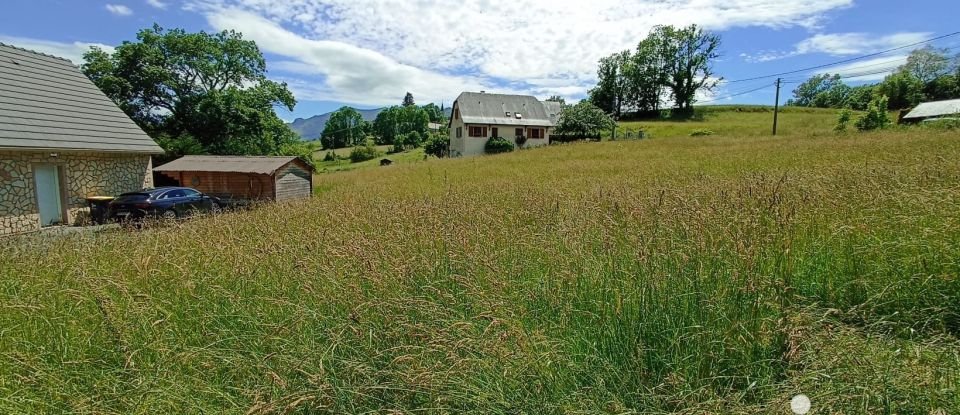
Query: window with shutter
478	131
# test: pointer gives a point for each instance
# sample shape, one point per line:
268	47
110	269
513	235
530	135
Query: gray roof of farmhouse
228	164
483	108
46	103
935	109
553	109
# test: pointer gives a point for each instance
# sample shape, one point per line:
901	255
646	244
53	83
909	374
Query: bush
330	156
412	139
364	153
843	118
876	117
948	124
437	145
520	140
700	132
497	145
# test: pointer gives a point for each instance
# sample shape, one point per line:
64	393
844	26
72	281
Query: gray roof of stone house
228	164
46	103
483	108
935	109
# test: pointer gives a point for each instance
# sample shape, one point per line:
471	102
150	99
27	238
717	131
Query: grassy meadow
740	121
406	157
698	275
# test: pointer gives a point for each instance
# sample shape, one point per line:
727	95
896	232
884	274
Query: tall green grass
697	275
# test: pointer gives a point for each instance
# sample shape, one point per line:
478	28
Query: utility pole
776	107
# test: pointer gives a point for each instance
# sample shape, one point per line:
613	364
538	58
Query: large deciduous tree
805	94
196	92
670	63
398	121
928	63
647	75
611	91
346	127
688	55
434	113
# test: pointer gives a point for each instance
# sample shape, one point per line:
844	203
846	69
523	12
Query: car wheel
169	214
215	208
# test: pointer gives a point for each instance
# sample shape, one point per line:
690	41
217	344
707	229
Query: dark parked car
162	202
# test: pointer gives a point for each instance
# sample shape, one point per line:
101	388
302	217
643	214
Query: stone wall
82	173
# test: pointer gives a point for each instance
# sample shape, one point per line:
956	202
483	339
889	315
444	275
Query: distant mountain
311	128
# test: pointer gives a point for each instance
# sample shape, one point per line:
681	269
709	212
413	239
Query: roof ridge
38	53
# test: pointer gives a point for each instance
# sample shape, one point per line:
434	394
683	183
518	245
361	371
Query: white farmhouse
478	116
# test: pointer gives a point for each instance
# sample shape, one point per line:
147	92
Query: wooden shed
238	179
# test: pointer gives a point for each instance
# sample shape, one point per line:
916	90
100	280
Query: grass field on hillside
672	275
406	157
740	121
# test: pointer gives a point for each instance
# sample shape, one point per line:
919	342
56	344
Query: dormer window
508	114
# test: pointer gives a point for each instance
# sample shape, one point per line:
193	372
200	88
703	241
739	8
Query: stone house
61	140
479	116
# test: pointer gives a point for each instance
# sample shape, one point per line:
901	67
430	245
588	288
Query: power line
736	94
846	60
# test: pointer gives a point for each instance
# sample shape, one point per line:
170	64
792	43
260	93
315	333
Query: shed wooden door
293	185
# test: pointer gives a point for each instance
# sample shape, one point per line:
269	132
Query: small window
456	113
494	132
536	133
459	132
478	131
517	114
508	114
519	132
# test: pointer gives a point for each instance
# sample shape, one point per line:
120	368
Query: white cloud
846	44
841	44
70	50
512	43
350	74
157	4
119	9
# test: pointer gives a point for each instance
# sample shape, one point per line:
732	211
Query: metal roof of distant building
484	108
47	103
228	164
935	109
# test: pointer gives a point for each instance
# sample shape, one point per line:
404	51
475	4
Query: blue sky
369	53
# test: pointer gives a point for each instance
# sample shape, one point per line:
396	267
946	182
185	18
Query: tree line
929	74
403	126
670	66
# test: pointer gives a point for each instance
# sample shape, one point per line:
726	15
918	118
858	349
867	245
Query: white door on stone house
49	205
